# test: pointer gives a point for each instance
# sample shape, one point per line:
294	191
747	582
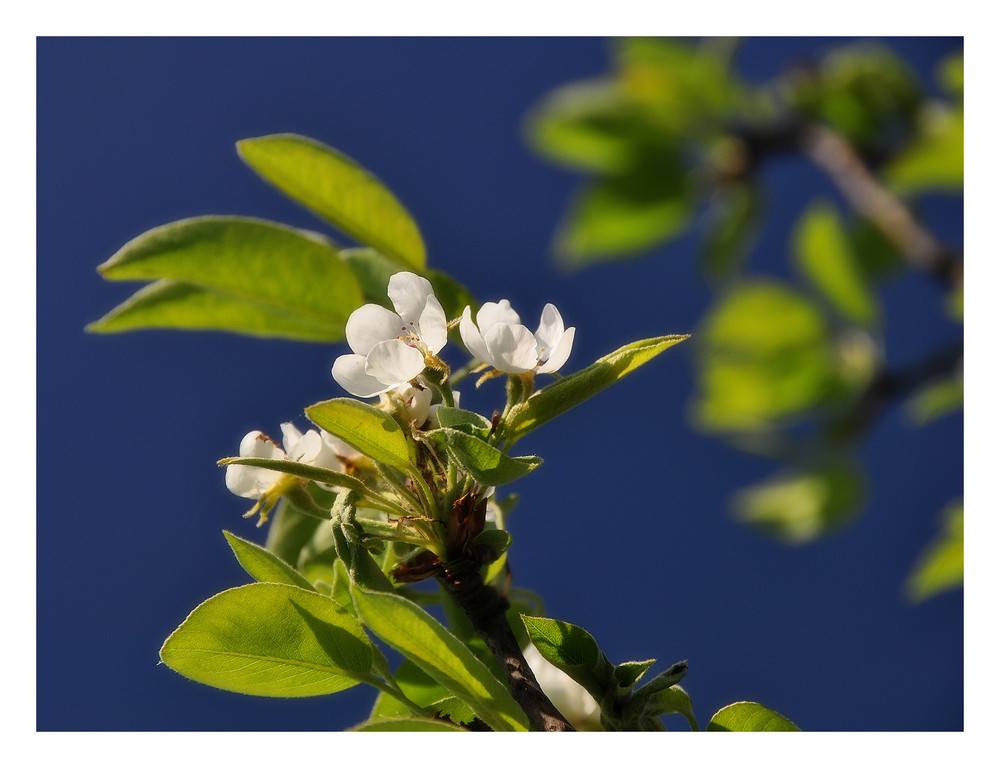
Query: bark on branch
486	611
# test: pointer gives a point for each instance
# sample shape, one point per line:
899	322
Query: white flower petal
290	435
492	313
409	293
339	447
512	348
473	339
433	325
559	354
550	329
307	448
370	324
251	482
394	363
349	372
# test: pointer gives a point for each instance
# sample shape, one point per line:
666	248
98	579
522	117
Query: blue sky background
637	547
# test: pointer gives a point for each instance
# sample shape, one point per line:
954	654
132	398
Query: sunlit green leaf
175	305
289	531
800	505
624	215
558	397
481	460
366	428
823	251
942	566
574	651
407	724
419	637
264	565
339	190
749	716
295	283
765	354
423	691
270	640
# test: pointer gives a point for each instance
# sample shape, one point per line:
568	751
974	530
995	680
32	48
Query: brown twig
486	610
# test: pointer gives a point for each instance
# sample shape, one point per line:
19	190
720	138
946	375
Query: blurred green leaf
560	396
337	189
749	716
731	220
822	248
574	651
876	255
270	640
935	160
800	505
181	306
935	400
621	216
263	565
364	427
764	355
589	125
951	74
942	565
420	638
481	460
289	531
278	280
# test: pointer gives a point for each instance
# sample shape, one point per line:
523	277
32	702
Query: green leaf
824	254
337	189
730	227
407	724
942	566
288	277
628	673
423	691
589	125
466	421
560	396
366	428
935	400
749	716
494	538
481	460
361	566
935	161
623	216
175	305
419	637
289	531
270	640
574	651
800	506
672	700
765	354
263	565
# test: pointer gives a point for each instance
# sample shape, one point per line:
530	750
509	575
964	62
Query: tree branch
486	610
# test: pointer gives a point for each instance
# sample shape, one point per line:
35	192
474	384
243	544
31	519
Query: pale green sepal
366	428
336	188
264	565
560	396
419	637
749	716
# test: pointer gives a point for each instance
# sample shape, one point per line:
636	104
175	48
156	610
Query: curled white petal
433	325
558	354
472	338
512	348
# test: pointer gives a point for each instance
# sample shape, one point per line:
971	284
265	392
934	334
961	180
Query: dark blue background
635	546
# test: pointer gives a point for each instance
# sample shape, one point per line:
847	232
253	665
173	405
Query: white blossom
388	347
498	339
